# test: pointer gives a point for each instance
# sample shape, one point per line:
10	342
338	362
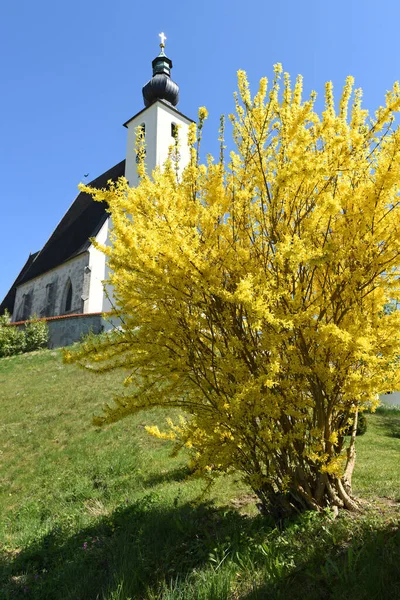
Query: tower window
174	130
140	137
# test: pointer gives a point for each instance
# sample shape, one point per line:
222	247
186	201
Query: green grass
377	472
107	514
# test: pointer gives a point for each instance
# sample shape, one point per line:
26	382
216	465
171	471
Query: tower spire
161	86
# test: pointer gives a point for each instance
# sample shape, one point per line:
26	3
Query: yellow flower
202	113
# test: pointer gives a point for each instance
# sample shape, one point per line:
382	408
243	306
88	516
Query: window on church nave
50	299
25	307
67	298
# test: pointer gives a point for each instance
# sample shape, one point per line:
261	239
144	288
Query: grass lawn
108	515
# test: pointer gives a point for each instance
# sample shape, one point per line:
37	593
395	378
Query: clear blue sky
71	73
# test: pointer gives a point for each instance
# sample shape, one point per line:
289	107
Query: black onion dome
161	86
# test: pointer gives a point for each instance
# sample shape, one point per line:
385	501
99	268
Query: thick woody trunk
325	490
336	494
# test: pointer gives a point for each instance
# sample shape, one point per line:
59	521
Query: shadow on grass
147	550
365	569
144	545
390	424
174	475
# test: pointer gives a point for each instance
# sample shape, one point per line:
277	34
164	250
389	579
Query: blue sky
71	73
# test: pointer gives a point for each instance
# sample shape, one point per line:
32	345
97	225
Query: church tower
159	121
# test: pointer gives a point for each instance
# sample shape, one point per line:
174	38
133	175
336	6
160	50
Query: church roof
71	237
82	220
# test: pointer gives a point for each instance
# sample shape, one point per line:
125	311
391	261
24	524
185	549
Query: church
66	277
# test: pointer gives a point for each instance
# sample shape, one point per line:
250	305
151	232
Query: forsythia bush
253	293
16	341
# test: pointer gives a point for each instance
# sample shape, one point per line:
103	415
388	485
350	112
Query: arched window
48	309
174	130
20	311
24	311
27	306
67	304
24	308
141	134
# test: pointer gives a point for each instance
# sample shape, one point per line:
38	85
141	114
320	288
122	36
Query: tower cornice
163	103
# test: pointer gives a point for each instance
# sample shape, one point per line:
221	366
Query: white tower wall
97	266
158	120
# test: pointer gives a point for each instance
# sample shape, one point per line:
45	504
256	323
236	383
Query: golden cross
163	37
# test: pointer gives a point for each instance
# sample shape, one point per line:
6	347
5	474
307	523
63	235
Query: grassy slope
107	514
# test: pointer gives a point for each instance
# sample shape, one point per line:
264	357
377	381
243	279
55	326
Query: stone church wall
47	294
